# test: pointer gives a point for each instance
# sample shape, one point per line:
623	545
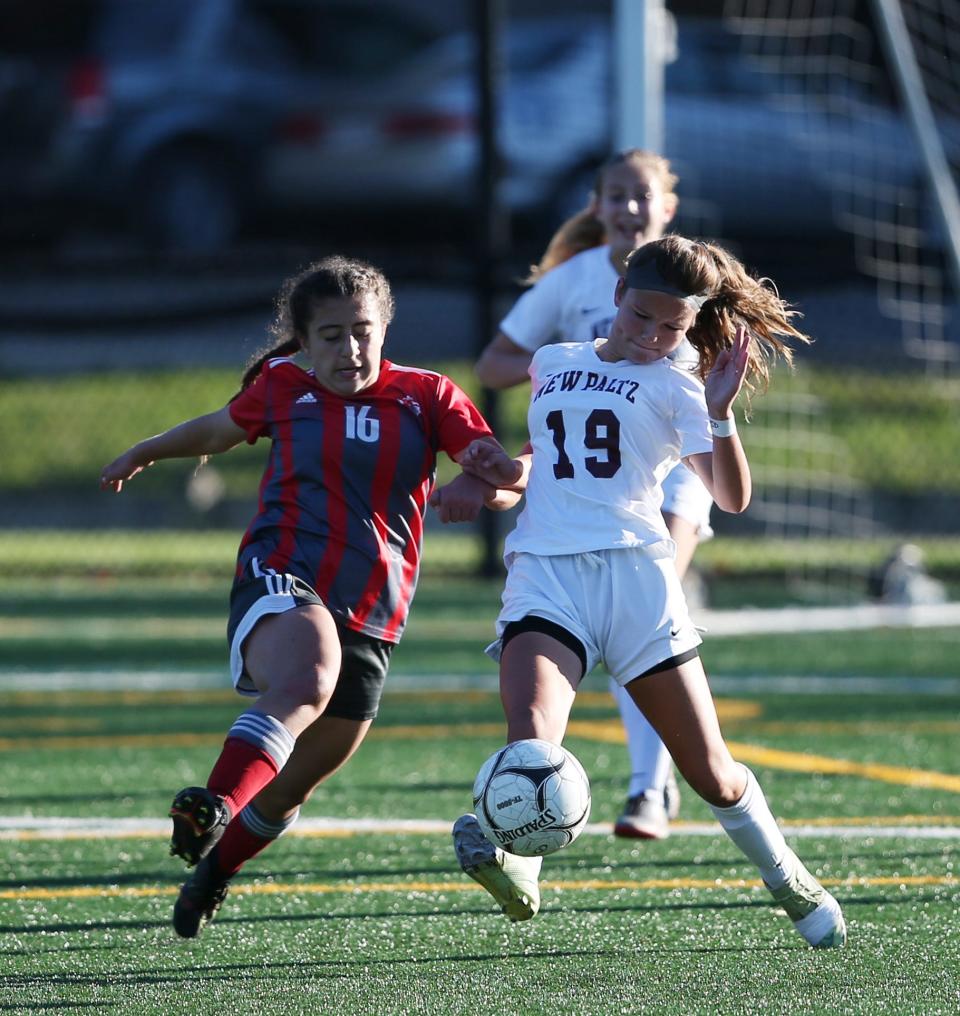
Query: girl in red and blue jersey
328	566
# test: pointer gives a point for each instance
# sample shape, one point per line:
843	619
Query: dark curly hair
330	278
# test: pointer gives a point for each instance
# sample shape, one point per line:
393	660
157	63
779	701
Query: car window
349	40
709	62
141	28
42	30
542	44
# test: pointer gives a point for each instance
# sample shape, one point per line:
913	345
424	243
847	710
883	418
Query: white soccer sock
264	827
752	827
649	759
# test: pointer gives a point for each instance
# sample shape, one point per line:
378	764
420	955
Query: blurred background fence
166	165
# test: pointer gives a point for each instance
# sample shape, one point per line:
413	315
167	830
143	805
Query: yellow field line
582	885
807	763
796	761
605	731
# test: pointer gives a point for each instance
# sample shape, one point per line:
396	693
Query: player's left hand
725	379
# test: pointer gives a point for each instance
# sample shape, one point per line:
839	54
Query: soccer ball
532	797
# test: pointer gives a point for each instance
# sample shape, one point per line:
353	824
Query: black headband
644	275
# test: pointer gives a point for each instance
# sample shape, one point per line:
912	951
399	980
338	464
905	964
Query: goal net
849	448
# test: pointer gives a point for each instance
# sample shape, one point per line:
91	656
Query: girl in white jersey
571	300
590	569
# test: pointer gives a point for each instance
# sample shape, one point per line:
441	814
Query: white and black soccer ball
532	797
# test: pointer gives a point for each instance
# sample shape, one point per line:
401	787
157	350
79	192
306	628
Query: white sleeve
690	417
534	320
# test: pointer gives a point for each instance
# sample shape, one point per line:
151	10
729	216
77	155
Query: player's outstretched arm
503	363
203	435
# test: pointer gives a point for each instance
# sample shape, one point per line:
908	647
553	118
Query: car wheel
188	203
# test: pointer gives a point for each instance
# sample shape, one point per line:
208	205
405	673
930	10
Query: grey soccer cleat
510	880
644	818
814	912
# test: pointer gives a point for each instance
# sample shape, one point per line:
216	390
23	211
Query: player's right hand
491	463
125	467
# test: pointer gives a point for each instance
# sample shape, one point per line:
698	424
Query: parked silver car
189	119
408	134
164	110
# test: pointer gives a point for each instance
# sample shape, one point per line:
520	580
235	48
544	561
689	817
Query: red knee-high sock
248	834
256	749
240	773
238	845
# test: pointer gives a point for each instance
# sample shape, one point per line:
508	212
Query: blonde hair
731	297
584	230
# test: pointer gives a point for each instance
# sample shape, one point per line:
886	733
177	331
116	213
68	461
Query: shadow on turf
58	1007
35	798
114	879
479	911
36	950
583	868
343	968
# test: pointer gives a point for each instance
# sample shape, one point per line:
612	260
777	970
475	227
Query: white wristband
723	428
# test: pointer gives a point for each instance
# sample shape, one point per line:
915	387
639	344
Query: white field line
54	828
757	621
715	623
217	679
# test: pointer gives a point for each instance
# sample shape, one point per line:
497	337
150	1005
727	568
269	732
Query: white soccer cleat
512	881
814	912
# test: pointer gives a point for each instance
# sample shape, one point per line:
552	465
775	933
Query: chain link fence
791	146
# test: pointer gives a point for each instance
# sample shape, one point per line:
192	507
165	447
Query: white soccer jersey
604	436
571	303
574	303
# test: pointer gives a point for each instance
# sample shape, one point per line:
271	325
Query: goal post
900	51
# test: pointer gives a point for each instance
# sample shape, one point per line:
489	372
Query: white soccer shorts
685	496
625	605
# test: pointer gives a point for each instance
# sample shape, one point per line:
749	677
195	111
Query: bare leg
538	682
321	750
679	705
294	660
652	794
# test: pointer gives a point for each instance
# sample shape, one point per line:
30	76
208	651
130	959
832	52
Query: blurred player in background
571	300
590	575
327	568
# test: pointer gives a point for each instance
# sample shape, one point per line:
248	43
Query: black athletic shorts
365	660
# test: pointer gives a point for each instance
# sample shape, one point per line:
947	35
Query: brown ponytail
731	296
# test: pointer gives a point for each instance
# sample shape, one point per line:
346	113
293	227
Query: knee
532	720
313	686
720	782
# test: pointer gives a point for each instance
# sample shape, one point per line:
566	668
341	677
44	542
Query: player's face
632	206
648	326
344	341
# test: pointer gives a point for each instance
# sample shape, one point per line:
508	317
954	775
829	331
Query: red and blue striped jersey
345	488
